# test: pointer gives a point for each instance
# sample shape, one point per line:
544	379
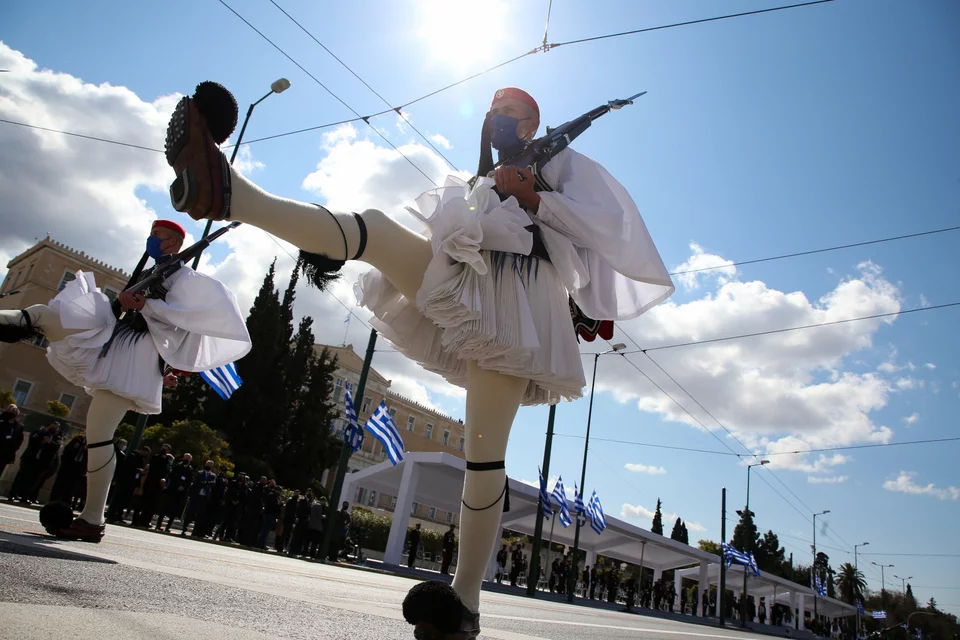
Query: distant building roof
70	252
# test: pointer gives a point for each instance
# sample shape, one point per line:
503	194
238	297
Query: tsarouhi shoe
437	613
16	326
198	124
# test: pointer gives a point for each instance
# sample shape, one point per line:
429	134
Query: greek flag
578	502
545	498
384	429
558	495
732	555
224	380
821	588
347	319
879	615
860	607
352	433
598	522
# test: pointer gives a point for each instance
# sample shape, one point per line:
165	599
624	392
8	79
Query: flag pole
538	528
723	564
553	521
345	454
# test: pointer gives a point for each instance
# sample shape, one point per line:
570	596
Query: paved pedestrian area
136	584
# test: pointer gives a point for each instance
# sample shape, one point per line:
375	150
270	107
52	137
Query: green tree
850	583
770	555
910	595
657	526
187	401
684	534
6	398
932	605
193	437
57	409
677	532
745	536
710	547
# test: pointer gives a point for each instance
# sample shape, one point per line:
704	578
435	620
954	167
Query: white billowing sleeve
598	241
199	326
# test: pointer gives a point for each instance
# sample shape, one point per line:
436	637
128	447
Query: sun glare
464	34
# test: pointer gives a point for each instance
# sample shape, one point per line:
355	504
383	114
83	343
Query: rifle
539	152
163	271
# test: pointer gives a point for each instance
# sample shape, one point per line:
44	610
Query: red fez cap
170	224
516	94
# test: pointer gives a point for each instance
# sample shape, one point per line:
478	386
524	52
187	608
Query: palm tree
850	583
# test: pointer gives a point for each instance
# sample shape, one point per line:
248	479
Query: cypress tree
657	520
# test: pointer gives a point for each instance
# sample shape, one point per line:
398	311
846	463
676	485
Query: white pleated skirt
131	366
505	311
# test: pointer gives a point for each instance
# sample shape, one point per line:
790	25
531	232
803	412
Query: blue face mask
153	248
503	129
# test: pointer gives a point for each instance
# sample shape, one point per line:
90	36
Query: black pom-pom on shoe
56	516
218	107
438	613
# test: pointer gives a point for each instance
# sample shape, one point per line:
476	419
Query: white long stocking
492	402
398	252
105	413
43	317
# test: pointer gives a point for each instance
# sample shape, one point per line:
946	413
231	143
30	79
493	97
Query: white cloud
827	479
82	192
782	392
923	301
904	484
930	366
714	267
912	419
649	469
639	512
440	141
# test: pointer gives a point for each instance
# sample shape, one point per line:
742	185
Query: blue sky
759	136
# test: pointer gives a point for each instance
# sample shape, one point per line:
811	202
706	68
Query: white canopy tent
437	479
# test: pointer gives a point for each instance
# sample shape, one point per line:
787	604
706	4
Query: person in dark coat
271	511
414	539
288	515
175	492
318	515
127	483
11	436
253	513
198	503
157	473
449	544
215	512
120	452
593	582
70	473
233	507
301	524
341	527
36	463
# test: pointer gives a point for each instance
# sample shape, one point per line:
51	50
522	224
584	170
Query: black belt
539	250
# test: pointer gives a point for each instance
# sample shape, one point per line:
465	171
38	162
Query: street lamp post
903	583
743	601
279	86
572	580
814	568
856	574
883	582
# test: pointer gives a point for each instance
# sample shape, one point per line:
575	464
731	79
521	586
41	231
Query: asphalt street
137	584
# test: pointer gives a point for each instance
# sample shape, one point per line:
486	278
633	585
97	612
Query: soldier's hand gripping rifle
539	152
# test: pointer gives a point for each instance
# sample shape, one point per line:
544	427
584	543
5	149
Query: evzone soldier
123	353
485	301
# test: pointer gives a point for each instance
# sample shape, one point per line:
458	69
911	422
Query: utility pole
534	576
723	565
345	454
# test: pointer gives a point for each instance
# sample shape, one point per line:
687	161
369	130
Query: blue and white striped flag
860	607
879	615
224	380
352	433
347	319
821	588
732	555
384	429
558	495
545	498
598	521
578	502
